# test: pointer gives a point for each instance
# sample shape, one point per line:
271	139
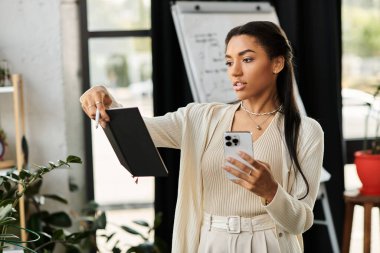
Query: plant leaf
34	187
101	221
7	220
73	159
116	250
15	175
141	223
9	236
35	222
133	231
45	234
143	248
157	220
110	236
61	163
5	211
6	202
91	208
11	179
42	169
130	230
25	174
7	185
73	187
59	219
56	197
77	237
148	247
59	234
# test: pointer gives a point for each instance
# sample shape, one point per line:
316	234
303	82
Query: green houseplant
367	160
51	228
12	187
46	229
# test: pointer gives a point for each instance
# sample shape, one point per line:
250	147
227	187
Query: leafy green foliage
27	183
157	246
50	227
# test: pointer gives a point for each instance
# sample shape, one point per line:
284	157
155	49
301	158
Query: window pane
124	65
361	64
105	15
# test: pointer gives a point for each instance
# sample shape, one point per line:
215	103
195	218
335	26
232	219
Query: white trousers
234	234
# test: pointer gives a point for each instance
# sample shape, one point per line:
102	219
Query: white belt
237	224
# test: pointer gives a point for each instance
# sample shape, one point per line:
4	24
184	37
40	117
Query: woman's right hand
97	97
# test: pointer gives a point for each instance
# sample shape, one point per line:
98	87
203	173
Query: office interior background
63	47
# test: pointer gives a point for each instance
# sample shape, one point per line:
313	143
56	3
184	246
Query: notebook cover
130	139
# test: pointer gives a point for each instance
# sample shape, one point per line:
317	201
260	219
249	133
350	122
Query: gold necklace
257	113
258	126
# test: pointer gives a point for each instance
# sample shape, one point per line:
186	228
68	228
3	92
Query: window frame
85	36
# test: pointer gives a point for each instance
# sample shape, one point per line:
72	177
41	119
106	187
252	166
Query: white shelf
8	89
3	172
7	164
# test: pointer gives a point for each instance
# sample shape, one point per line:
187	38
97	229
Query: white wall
40	40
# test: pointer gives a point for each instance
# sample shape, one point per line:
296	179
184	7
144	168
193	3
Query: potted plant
12	187
51	226
367	160
46	229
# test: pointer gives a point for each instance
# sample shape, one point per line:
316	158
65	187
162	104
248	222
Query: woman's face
249	67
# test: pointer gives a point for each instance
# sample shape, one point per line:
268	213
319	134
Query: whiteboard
201	29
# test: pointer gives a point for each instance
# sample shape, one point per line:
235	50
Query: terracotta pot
368	169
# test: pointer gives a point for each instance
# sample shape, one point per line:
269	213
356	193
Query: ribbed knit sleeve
166	131
190	121
291	214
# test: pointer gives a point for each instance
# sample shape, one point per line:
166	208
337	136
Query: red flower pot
368	169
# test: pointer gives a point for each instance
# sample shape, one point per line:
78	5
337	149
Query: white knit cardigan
190	129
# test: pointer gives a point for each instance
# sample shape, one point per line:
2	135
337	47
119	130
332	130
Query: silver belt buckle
233	224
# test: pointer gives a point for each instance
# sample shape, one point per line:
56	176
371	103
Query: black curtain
314	29
170	91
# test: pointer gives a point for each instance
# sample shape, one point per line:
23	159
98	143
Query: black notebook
132	143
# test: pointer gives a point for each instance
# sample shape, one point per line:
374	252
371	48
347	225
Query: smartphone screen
235	142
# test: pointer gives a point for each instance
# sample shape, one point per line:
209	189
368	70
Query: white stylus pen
97	116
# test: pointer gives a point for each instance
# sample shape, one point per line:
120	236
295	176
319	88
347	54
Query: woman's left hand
256	178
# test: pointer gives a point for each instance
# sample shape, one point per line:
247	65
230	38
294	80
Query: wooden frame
19	118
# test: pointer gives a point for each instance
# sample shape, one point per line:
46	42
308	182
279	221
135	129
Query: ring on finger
98	102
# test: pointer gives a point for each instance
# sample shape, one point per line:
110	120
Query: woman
270	205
